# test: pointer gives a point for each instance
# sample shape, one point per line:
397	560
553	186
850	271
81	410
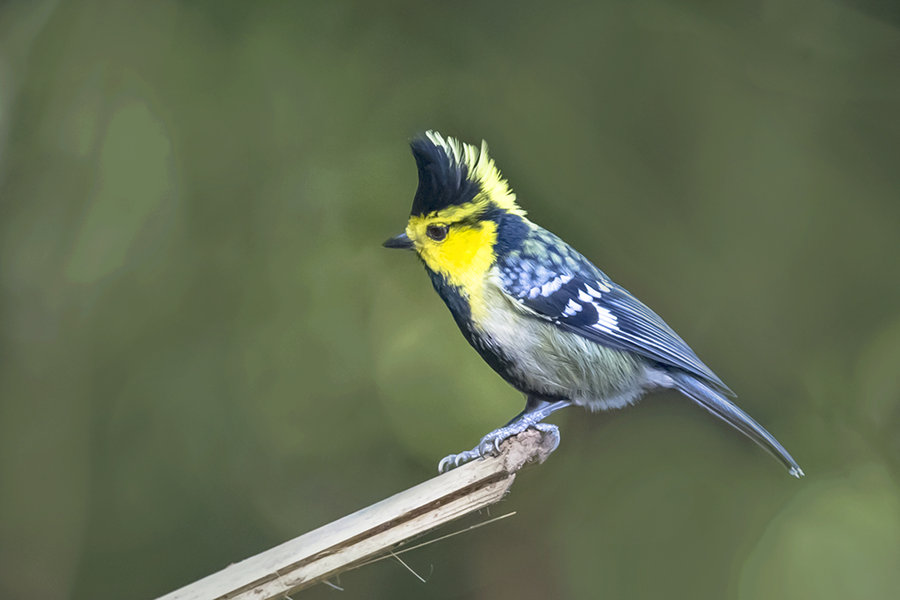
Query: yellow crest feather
481	170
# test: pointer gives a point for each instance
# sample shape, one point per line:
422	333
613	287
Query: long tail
726	410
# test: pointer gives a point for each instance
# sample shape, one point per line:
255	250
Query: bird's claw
451	461
490	444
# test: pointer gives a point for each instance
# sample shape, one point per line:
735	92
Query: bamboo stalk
372	531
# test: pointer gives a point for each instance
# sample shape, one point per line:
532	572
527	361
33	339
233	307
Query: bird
548	321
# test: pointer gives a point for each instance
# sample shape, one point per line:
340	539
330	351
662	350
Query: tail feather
721	407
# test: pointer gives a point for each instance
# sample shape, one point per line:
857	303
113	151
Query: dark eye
436	232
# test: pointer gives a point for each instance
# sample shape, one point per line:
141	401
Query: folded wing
600	310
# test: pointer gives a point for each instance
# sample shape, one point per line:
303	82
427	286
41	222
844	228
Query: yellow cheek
464	259
461	251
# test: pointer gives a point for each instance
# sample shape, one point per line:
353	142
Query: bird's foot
490	444
451	461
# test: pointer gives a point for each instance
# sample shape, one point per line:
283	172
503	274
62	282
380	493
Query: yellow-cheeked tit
539	313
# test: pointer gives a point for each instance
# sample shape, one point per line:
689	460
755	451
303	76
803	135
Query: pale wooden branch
372	531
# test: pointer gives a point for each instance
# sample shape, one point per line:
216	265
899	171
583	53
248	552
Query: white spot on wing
553	285
541	273
606	321
584	296
593	292
572	308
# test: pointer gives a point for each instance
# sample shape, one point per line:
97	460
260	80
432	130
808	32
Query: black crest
443	174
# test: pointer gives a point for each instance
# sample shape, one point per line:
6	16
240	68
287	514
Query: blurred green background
204	350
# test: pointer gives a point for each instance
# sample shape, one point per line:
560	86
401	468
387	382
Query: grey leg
534	413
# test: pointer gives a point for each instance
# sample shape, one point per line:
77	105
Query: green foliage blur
204	351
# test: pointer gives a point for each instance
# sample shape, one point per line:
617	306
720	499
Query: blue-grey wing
586	302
